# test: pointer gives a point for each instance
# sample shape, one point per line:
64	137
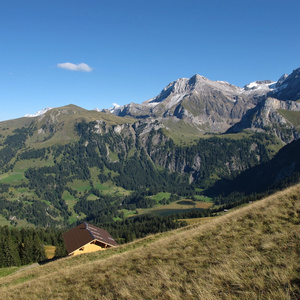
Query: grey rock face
209	105
288	87
267	116
215	106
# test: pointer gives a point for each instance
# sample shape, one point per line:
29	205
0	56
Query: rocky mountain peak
215	106
197	84
196	79
281	80
288	88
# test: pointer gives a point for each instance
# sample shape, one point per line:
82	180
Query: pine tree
26	250
38	251
10	253
60	250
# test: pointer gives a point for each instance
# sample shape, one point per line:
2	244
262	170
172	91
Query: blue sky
122	51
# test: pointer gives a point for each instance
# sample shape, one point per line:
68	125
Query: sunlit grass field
50	251
179	206
249	253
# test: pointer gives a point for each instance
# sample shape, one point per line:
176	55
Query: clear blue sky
124	51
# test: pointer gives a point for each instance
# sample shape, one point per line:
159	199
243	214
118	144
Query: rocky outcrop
288	87
271	115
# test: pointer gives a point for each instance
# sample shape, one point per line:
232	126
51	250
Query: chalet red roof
85	233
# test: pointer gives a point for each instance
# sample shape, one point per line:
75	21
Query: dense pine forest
146	165
24	246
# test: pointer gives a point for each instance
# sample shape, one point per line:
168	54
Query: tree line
24	246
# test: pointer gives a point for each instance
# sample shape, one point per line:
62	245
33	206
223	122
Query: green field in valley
179	206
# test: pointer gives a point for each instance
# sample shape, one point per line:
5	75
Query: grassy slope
184	134
249	253
291	116
63	120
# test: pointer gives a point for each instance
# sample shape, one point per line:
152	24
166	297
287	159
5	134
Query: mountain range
67	164
217	106
186	156
204	106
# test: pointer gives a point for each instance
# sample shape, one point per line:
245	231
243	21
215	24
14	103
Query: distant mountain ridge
211	106
218	106
207	106
288	88
194	133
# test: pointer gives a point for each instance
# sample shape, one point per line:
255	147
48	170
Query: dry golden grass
194	221
250	253
50	251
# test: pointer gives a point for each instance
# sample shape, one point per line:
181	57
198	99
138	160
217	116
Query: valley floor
249	253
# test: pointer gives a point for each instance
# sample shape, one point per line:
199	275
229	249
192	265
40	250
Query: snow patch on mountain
261	85
38	113
152	104
114	107
111	109
221	81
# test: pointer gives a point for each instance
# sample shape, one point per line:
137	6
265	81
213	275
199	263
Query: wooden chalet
86	238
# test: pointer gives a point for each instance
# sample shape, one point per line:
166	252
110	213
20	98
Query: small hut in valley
86	238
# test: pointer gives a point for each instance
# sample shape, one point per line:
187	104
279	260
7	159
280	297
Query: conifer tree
26	250
10	253
38	249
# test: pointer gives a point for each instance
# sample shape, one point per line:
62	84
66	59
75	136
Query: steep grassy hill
249	253
57	125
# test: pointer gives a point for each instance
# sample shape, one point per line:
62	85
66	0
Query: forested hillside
92	176
283	170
